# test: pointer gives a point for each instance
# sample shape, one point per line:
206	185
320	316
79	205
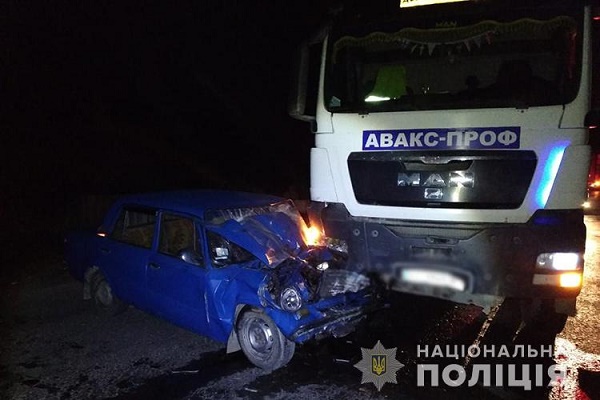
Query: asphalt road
55	347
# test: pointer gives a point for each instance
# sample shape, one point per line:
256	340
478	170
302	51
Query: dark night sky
110	97
106	97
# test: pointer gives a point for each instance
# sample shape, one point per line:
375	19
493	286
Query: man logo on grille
378	365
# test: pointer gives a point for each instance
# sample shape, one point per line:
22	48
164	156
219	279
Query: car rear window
135	227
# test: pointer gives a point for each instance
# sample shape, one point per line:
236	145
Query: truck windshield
482	58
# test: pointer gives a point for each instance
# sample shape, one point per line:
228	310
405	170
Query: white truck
451	146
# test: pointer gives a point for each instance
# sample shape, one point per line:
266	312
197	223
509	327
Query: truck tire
105	301
542	322
526	321
262	342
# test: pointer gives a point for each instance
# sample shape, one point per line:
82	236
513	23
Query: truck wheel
542	321
262	342
105	301
521	321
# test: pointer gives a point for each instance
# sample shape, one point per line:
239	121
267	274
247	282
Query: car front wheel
105	301
262	342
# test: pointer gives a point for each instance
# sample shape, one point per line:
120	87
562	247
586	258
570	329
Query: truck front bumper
466	263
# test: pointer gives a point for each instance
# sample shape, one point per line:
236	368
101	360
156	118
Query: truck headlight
569	266
559	261
290	299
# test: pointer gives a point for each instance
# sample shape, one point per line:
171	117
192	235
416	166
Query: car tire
105	301
262	342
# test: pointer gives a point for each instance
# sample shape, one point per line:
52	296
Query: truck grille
450	179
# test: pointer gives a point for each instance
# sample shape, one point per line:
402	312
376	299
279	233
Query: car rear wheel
105	301
262	342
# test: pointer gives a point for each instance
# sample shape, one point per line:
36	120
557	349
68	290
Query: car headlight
323	266
290	299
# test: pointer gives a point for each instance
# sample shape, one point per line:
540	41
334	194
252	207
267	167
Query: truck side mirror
298	87
304	86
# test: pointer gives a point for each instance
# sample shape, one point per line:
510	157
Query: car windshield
273	233
517	58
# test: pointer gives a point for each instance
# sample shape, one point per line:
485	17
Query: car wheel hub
104	295
260	335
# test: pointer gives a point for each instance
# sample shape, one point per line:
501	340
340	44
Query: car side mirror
191	256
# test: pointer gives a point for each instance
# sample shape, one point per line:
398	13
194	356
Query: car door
123	255
176	273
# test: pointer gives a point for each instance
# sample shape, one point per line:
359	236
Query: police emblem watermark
517	366
378	365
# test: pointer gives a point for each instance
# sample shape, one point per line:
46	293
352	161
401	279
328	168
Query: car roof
196	202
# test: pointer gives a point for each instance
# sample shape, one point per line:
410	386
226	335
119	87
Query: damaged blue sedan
232	266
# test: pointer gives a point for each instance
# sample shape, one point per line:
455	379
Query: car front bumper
334	316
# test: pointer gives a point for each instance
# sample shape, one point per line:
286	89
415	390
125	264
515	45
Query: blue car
232	266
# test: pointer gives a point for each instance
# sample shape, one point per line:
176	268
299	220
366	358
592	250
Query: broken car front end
306	290
312	302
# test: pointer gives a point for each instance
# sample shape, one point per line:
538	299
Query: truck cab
451	147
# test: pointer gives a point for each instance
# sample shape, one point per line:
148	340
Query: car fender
225	292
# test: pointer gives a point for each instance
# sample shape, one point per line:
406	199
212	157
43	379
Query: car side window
177	234
223	252
135	227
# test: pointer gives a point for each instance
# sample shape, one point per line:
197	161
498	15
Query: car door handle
154	266
104	250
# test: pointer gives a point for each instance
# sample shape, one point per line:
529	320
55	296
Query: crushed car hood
272	234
